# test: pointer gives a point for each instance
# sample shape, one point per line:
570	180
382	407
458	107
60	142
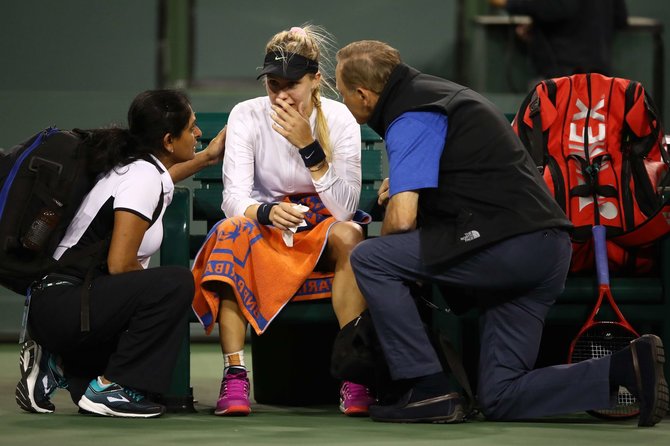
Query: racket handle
600	250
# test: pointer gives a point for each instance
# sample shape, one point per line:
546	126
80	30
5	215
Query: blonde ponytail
322	131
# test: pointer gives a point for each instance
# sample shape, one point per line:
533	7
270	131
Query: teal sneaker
113	400
40	378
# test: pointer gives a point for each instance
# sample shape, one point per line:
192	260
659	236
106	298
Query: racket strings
602	339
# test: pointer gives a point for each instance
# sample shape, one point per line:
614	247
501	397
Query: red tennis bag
599	143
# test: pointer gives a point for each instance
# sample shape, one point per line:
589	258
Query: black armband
312	154
263	213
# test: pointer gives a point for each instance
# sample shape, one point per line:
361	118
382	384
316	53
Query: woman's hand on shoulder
214	151
210	156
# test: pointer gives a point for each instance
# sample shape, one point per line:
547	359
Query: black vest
488	187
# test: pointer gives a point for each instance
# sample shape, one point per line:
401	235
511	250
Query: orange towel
264	273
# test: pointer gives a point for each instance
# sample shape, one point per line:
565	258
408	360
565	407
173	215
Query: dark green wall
499	67
231	36
78	63
72	63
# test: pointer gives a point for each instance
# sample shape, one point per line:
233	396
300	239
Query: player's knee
346	235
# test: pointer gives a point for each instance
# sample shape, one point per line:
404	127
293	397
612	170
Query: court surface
276	425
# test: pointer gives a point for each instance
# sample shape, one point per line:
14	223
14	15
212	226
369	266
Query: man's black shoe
651	388
447	408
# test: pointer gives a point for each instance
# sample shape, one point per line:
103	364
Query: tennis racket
600	338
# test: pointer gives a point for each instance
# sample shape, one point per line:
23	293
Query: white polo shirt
134	188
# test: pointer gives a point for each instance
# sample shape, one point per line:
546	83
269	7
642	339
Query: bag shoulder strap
101	247
456	365
535	137
454	361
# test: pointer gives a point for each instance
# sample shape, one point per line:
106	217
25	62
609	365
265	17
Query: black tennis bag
357	356
43	181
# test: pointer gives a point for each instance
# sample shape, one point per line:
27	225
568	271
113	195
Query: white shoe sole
101	409
31	355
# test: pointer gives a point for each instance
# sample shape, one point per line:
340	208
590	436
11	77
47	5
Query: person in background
131	346
569	36
292	181
467	210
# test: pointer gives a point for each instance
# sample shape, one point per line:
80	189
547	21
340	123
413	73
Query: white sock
102	384
234	359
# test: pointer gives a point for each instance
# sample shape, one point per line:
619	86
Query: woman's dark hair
151	115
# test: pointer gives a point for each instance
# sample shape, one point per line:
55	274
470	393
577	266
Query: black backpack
43	181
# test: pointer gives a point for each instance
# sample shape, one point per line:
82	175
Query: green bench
294	352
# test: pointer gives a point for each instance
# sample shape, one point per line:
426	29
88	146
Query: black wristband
263	213
312	154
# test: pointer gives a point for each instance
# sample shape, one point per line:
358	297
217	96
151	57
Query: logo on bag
579	130
470	236
595	134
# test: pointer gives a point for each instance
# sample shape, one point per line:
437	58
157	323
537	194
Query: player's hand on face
292	124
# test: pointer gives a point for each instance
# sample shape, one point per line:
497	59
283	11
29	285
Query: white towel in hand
287	235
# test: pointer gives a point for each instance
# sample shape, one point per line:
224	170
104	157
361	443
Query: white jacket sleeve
238	167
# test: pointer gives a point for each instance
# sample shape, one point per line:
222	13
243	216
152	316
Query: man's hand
401	213
383	193
292	124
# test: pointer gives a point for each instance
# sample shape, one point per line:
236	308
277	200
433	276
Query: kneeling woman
289	148
131	344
